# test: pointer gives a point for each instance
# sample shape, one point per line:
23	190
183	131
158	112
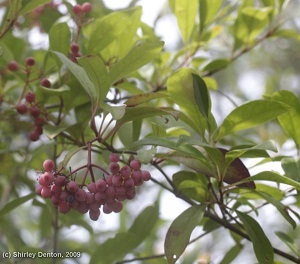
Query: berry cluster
107	193
83	9
30	106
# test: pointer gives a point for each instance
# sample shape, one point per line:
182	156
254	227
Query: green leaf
201	95
232	254
216	65
286	239
15	203
29	5
59	38
181	89
12	14
142	53
117	247
289	121
179	232
68	156
143	98
262	247
185	12
96	70
80	75
249	115
43	93
117	111
208	10
291	167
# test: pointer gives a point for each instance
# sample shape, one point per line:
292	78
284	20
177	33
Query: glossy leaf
249	115
96	70
80	75
11	205
262	247
291	167
142	53
185	12
178	234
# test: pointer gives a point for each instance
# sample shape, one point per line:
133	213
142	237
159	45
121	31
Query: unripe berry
114	167
13	66
48	165
86	7
146	175
94	214
77	9
74	47
30	61
72	186
114	157
46	83
30	97
135	165
21	109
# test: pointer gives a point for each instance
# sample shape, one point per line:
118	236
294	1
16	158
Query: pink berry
86	7
117	180
41	181
137	178
48	165
125	172
90	197
46	192
80	195
100	185
56	190
48	178
30	61
135	165
82	207
63	207
114	157
129	183
74	47
21	109
117	206
77	9
94	206
38	189
107	208
46	83
60	180
94	214
114	167
92	187
110	192
72	186
146	175
109	180
63	195
130	194
55	200
13	66
30	97
100	197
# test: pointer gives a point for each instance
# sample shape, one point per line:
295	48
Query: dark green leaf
201	95
179	232
232	254
249	115
286	239
143	98
15	203
262	247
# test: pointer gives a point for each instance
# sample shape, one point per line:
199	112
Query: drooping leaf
201	95
142	53
179	232
249	115
185	12
289	121
232	254
262	247
96	70
15	203
181	89
81	76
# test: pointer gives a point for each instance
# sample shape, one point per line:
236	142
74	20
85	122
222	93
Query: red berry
46	83
55	200
130	194
46	192
56	190
34	136
30	97
48	178
107	208
94	206
117	206
114	167
63	207
90	197
48	165
125	172
38	189
74	47
135	165
94	214
86	7
21	109
92	187
82	207
100	185
77	9
30	61
110	192
114	157
13	66
117	180
38	130
137	178
41	181
146	175
100	197
60	181
80	195
72	186
39	121
129	183
34	111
